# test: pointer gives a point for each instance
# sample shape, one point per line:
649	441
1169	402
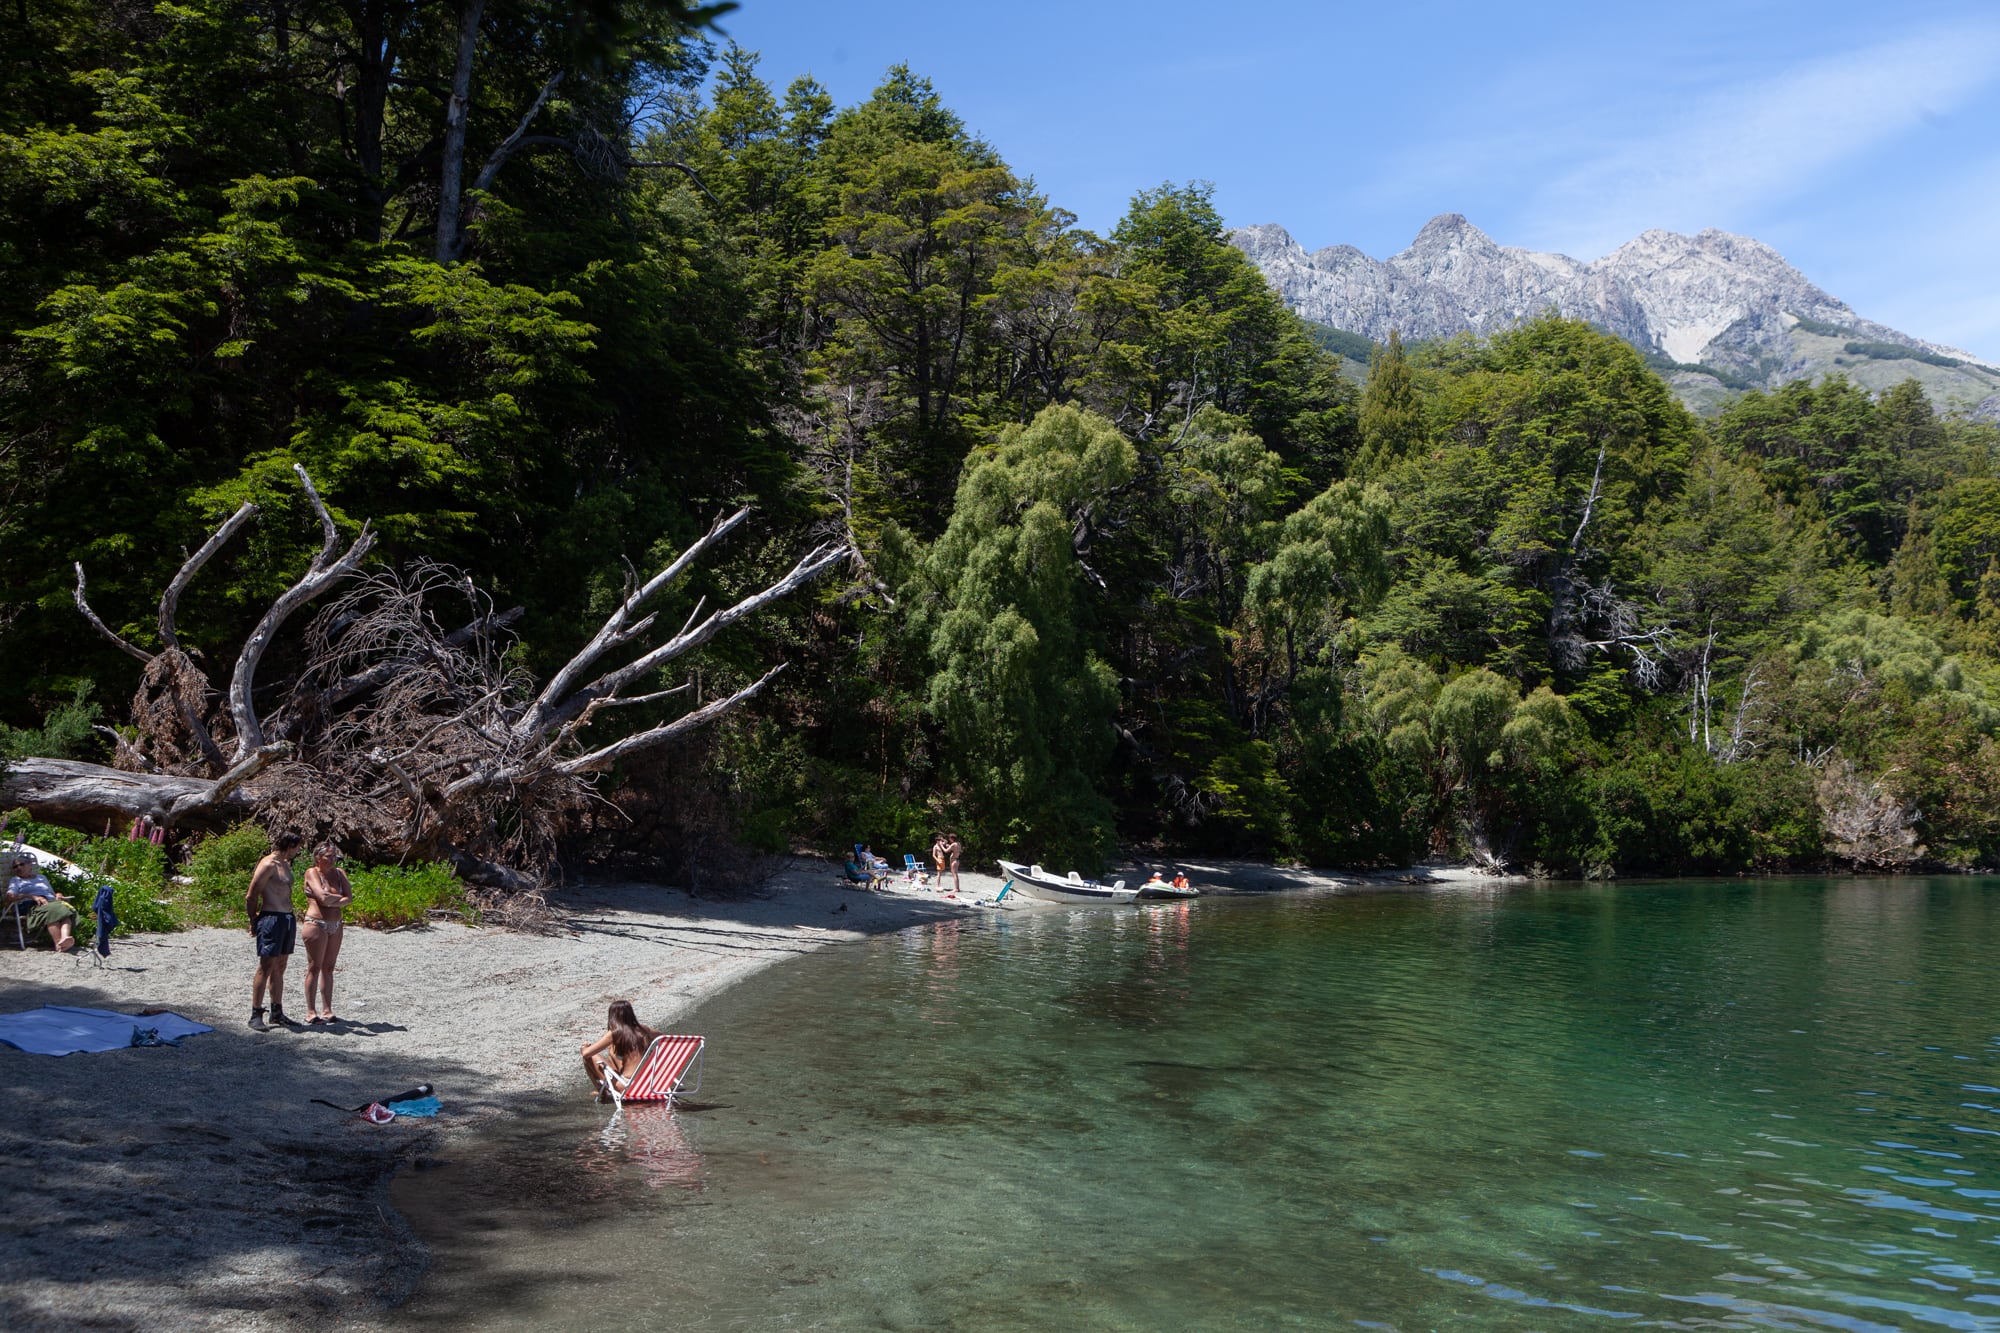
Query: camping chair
913	870
662	1071
14	912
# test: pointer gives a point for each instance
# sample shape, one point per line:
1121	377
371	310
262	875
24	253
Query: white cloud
1729	155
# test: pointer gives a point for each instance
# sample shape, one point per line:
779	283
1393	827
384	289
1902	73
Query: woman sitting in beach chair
616	1054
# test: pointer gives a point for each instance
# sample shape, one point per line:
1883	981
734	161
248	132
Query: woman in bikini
327	891
617	1053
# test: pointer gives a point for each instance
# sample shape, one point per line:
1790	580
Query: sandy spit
200	1187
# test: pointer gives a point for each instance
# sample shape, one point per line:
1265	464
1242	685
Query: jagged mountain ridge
1714	301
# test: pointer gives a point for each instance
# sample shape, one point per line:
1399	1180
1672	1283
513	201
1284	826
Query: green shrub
405	895
139	911
219	868
65	732
137	870
1685	813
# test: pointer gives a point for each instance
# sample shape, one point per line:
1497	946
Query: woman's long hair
627	1037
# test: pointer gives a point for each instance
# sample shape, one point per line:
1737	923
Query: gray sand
200	1187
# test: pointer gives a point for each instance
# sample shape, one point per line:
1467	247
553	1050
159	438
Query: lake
1701	1104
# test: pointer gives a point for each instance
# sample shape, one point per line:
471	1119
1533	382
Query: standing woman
327	891
953	849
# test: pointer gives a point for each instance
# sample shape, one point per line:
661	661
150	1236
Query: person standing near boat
327	891
273	926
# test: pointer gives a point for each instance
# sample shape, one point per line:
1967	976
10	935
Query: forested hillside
541	288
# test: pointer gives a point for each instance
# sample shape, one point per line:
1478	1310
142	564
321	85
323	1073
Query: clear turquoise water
1763	1104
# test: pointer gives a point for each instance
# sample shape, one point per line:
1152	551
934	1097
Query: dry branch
402	738
171	599
323	573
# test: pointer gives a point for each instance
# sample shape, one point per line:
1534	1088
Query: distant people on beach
940	852
273	926
48	911
616	1054
327	891
953	849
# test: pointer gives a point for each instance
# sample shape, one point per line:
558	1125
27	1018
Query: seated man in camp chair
866	875
29	891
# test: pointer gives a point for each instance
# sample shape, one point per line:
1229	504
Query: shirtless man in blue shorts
273	926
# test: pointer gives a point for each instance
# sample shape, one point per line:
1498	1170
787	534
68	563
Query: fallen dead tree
401	738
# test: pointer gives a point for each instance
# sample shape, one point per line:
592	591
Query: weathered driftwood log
90	796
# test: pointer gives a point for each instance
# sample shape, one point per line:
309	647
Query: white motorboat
1071	888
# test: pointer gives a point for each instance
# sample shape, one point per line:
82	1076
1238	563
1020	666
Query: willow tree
1002	603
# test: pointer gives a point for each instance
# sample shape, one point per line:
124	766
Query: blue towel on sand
422	1106
56	1029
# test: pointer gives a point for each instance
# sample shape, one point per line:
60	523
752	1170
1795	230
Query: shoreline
201	1186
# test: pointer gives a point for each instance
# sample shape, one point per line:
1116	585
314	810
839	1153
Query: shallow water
1742	1104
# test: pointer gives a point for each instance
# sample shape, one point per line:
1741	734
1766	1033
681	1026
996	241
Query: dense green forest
541	286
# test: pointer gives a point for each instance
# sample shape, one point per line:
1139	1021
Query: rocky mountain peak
1450	230
1712	299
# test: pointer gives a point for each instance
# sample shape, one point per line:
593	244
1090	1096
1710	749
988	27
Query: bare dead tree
459	755
173	708
406	739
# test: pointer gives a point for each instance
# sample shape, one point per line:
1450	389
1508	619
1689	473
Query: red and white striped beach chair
662	1073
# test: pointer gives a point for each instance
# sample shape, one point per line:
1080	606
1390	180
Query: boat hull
1050	889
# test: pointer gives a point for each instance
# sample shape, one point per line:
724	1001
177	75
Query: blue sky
1857	138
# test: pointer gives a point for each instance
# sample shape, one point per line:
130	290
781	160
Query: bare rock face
1712	299
1493	285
